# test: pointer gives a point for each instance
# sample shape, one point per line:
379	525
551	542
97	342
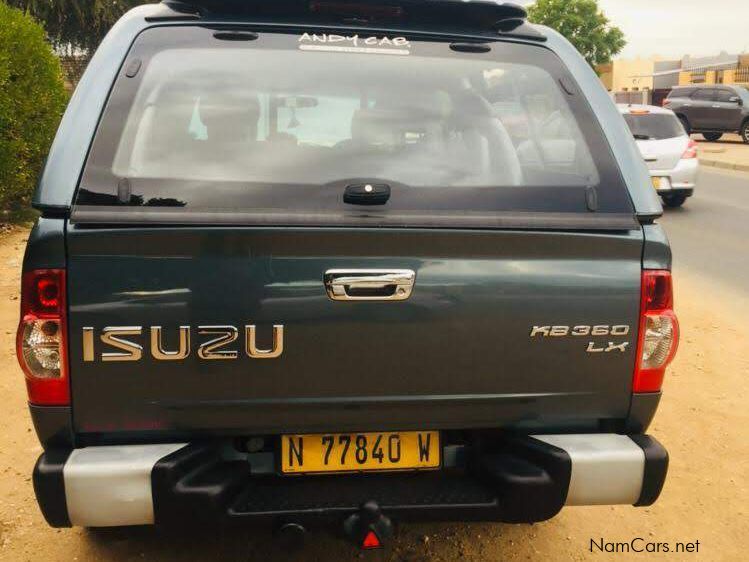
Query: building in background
723	69
628	75
665	77
633	80
650	80
72	69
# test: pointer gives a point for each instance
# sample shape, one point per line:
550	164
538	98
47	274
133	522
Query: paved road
710	234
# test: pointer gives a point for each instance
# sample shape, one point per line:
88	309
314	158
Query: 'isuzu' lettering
125	343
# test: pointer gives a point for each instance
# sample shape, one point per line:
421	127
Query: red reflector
42	293
48	293
657	290
371	541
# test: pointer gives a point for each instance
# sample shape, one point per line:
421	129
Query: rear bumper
519	479
681	179
686	191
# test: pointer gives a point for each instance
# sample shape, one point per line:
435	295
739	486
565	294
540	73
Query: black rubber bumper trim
517	480
687	191
49	486
531	477
656	468
642	411
53	425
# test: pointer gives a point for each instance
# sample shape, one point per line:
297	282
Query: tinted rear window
282	124
704	94
725	96
654	126
681	92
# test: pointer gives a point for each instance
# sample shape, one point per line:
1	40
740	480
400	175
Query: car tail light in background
658	337
691	151
40	343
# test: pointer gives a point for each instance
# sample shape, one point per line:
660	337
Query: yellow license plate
360	452
656	182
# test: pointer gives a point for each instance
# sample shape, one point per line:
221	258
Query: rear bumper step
521	479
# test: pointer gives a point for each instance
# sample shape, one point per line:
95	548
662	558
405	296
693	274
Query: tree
76	26
583	24
32	99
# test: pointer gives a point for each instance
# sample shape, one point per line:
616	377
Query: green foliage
76	25
32	99
583	24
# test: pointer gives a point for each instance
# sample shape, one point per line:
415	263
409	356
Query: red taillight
48	293
691	151
41	340
658	336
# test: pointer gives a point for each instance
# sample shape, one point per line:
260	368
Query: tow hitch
291	536
368	528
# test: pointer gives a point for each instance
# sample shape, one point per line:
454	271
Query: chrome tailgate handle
369	284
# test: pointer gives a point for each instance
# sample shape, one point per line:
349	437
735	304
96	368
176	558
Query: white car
671	155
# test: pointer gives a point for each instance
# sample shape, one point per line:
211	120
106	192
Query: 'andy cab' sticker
354	44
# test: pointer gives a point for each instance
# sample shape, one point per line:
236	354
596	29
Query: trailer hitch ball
368	528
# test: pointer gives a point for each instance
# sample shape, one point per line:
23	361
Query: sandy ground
703	421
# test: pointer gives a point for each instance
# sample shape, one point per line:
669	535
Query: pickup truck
350	263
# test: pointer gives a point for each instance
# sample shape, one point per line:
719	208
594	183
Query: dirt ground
703	421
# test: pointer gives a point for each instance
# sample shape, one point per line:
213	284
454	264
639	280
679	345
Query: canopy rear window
204	124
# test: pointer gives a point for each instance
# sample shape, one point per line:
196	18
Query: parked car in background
669	152
711	109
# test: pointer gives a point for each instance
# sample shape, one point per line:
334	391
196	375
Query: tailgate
468	348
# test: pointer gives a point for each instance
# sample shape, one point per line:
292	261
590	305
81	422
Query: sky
672	28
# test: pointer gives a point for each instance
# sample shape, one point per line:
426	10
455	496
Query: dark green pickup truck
356	262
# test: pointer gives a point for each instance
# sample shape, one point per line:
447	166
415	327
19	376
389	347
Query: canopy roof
480	15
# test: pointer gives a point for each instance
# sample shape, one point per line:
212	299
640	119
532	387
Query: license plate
656	182
360	452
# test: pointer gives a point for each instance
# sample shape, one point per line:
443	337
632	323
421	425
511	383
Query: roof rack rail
485	17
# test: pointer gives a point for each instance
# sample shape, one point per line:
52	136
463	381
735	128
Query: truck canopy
209	126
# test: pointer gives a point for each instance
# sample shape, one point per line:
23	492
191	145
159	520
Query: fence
72	69
638	97
742	75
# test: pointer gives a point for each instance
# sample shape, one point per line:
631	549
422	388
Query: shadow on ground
413	543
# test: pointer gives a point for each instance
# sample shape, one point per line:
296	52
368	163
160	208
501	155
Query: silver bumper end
111	486
607	469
